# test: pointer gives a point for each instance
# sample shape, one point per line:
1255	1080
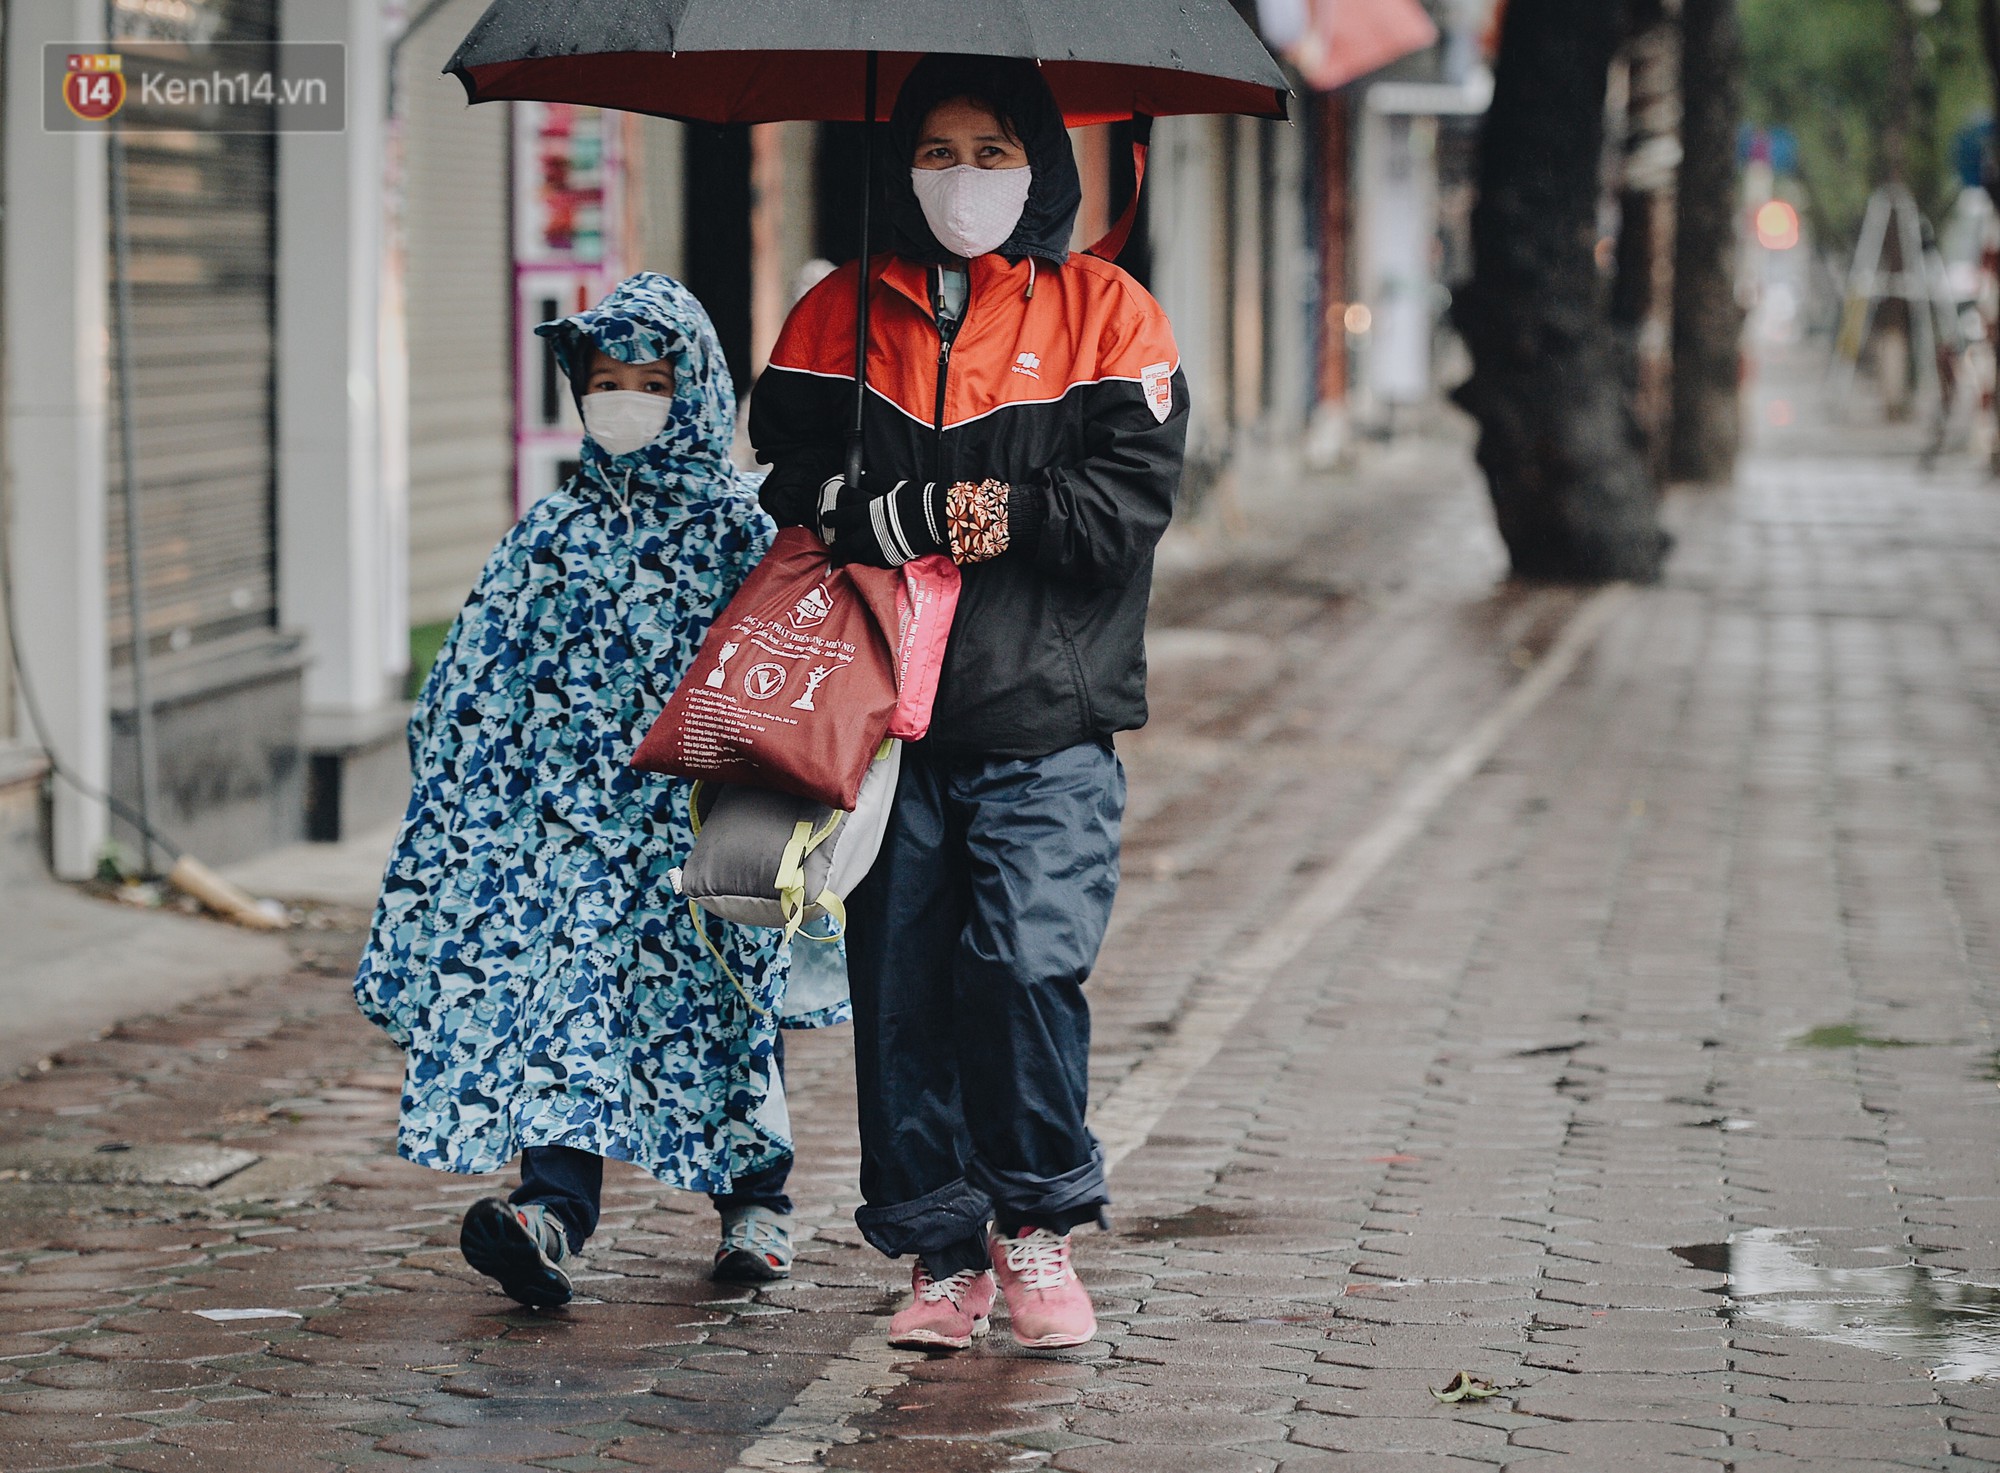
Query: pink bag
924	608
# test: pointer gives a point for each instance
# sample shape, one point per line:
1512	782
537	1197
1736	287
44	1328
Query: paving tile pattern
1558	1038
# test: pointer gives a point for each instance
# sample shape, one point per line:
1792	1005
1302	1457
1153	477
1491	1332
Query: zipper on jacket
948	328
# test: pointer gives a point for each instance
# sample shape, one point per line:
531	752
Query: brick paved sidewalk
1704	952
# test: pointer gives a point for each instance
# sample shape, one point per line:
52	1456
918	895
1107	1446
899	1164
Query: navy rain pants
967	949
570	1183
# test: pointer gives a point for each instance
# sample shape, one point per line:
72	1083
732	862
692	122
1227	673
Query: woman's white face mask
625	420
969	209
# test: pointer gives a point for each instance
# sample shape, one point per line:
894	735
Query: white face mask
624	420
969	209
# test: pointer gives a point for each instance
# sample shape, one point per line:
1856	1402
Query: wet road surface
1621	1035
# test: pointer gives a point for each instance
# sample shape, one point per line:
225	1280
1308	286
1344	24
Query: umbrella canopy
767	61
773	61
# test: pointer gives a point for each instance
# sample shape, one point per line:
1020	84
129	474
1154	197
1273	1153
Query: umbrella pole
861	287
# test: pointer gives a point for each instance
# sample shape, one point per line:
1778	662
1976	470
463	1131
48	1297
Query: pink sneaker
1045	1299
943	1314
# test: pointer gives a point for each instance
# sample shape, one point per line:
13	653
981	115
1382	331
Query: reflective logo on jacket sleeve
1157	379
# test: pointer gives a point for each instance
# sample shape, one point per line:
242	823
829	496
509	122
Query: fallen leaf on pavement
1466	1387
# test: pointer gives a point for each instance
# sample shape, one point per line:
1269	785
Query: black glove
832	493
883	522
790	492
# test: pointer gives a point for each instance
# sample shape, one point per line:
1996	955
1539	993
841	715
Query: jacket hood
647	318
1019	91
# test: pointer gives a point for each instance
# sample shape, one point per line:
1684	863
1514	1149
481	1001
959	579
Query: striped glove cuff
908	522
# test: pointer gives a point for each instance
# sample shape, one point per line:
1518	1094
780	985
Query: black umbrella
767	61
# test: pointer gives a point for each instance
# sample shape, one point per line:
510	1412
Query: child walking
552	996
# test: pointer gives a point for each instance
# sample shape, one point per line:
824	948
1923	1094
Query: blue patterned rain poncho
528	953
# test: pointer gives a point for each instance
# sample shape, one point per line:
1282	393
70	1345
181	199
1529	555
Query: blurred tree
1826	69
1892	319
1991	45
1708	323
1558	441
1989	37
1649	153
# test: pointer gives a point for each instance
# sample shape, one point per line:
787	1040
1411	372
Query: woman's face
607	373
959	131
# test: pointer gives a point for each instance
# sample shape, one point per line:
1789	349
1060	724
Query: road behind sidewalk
1495	968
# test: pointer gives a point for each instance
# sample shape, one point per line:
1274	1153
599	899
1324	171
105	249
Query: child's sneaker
1045	1299
943	1314
756	1246
522	1248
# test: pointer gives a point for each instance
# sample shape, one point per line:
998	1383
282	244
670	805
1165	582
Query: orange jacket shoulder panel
1082	323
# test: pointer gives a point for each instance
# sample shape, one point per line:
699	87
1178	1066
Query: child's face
607	373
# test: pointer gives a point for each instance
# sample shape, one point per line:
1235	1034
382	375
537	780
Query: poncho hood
650	318
1016	87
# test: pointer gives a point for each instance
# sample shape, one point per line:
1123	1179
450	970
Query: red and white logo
761	682
94	84
1157	380
1029	364
812	609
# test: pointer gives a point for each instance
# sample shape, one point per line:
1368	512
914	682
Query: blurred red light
1777	225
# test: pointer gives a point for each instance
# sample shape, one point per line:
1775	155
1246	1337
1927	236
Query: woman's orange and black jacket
1062	380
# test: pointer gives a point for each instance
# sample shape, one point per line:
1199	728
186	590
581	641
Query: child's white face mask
625	420
972	210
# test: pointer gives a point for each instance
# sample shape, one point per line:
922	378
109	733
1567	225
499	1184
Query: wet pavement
1594	994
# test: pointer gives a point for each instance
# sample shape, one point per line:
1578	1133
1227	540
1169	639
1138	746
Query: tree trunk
1989	37
1989	40
1892	318
1708	323
1642	293
1557	441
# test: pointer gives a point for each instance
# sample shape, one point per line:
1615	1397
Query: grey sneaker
523	1249
756	1247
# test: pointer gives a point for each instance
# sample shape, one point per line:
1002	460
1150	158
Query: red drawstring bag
797	683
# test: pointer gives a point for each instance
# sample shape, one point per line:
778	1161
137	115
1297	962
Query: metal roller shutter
202	234
460	321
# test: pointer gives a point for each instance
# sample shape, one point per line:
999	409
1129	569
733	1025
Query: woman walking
1028	418
552	995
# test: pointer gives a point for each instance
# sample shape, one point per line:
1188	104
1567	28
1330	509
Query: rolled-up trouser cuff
951	1214
956	1257
1058	1202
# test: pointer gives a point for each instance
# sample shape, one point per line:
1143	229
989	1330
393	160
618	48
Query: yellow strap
701	930
694	808
819	835
791	881
833	906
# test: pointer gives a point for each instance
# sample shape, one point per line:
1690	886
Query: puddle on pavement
1901	1309
1200	1222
